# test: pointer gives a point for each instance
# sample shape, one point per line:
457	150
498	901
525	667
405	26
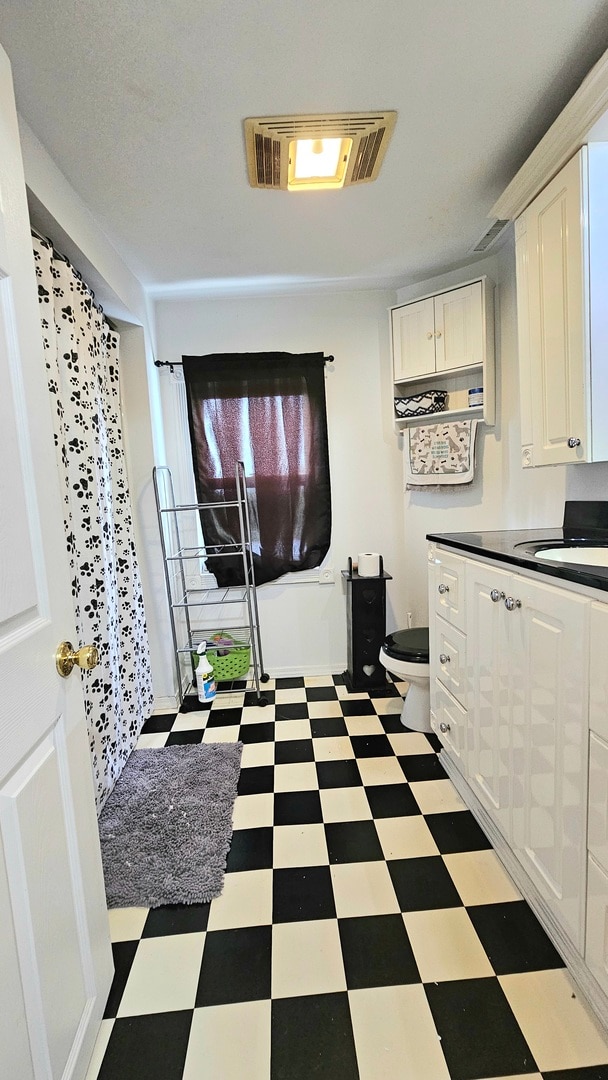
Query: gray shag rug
166	828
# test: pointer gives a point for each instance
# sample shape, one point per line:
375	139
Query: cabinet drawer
448	719
596	938
448	584
597	824
448	657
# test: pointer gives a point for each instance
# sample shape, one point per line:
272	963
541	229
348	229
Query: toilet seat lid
409	645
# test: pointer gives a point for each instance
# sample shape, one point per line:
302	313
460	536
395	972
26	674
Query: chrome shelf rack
196	610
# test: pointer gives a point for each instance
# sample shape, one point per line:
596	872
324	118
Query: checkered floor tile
366	929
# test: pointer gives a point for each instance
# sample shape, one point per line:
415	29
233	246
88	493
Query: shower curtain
81	352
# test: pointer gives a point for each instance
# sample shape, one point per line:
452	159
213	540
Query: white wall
59	213
304	625
503	495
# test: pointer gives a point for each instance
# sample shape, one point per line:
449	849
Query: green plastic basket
234	663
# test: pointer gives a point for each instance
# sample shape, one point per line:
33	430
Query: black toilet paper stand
366	628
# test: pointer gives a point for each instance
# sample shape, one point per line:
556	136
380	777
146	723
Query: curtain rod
177	363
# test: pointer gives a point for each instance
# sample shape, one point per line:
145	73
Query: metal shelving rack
190	603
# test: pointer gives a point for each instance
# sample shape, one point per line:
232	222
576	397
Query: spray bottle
205	683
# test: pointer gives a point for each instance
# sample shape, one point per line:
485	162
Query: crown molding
565	136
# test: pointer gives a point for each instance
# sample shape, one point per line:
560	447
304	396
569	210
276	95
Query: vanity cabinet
561	254
596	944
527	694
522	734
445	341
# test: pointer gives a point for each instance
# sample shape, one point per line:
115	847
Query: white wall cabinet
446	341
562	276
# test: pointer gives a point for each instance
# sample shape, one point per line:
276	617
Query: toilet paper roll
368	564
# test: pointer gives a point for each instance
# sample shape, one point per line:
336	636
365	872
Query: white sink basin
583	556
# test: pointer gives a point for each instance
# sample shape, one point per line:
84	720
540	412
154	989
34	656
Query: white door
489	689
555	329
550	719
413	340
459	336
55	958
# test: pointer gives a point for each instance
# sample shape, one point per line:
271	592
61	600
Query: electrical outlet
327	576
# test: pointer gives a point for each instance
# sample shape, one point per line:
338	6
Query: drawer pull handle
444	658
495	596
444	728
511	604
443	588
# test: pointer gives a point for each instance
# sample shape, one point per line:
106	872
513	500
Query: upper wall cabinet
562	281
446	342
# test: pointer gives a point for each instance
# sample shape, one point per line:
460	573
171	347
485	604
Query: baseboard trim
164	704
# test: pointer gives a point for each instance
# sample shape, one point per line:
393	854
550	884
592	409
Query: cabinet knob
573	441
444	728
511	604
444	658
443	588
438	333
429	335
496	595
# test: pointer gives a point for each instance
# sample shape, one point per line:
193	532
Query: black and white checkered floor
366	928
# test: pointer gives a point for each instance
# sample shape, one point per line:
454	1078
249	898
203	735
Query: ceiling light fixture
318	152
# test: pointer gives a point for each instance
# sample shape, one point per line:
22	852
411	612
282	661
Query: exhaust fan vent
360	141
490	236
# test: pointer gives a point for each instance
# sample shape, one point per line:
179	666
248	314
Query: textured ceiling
141	102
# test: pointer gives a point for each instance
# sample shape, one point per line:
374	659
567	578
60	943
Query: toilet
405	653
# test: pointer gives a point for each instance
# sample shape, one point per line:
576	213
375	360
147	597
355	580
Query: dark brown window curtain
267	410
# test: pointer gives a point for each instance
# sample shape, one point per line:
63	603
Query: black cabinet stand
366	629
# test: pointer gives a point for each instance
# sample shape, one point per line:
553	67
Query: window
267	410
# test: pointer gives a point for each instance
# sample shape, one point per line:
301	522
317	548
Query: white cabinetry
562	276
489	686
596	946
516	727
527	695
550	746
448	649
446	341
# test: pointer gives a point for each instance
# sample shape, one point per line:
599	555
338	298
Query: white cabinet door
489	689
54	942
527	722
459	339
598	672
549	641
553	332
596	939
413	329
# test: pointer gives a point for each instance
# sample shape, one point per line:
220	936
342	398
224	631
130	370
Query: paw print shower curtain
81	352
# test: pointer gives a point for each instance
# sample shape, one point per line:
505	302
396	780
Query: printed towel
440	454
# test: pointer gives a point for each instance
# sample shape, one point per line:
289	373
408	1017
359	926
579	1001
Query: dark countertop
517	547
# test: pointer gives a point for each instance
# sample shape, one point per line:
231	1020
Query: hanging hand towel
440	454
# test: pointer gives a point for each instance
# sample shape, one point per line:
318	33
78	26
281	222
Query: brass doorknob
66	656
